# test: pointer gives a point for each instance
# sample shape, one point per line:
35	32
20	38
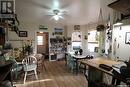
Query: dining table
96	72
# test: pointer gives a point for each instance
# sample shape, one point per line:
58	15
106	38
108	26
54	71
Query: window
76	45
93	36
76	36
93	43
40	40
76	40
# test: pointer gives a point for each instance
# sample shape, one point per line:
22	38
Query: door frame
35	51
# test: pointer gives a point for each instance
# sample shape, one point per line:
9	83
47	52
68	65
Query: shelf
57	48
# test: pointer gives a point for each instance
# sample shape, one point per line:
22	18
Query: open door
42	42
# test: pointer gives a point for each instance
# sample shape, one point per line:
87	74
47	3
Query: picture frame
76	27
7	7
23	34
127	38
58	31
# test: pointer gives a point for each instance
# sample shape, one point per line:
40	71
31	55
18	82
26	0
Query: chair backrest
40	59
39	56
29	60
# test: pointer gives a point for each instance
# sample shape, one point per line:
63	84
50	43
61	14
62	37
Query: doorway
42	43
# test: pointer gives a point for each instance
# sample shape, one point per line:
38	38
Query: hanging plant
100	26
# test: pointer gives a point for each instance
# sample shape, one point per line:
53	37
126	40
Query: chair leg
25	77
44	66
36	74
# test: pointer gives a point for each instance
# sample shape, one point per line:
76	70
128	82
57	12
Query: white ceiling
77	11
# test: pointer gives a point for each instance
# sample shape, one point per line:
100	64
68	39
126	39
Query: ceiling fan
57	14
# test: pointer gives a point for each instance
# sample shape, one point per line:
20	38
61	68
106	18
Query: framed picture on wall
127	38
76	27
23	34
58	31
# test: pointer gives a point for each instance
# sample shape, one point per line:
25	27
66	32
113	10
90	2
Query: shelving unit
57	49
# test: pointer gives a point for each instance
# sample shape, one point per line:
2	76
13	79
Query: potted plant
28	47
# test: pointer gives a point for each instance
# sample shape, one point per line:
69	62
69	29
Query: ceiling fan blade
61	17
62	13
49	14
53	18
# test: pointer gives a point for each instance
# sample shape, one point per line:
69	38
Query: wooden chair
71	63
29	64
40	60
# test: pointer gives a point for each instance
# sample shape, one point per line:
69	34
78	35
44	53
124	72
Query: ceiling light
40	32
56	17
56	14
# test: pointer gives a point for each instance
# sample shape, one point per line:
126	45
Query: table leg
76	66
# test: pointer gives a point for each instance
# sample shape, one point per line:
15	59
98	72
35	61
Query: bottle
80	51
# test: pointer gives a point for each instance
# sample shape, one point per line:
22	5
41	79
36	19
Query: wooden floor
56	75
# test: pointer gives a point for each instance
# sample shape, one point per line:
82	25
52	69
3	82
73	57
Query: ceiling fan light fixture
60	17
56	14
56	17
56	11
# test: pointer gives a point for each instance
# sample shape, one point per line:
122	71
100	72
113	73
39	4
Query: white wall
16	40
122	49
